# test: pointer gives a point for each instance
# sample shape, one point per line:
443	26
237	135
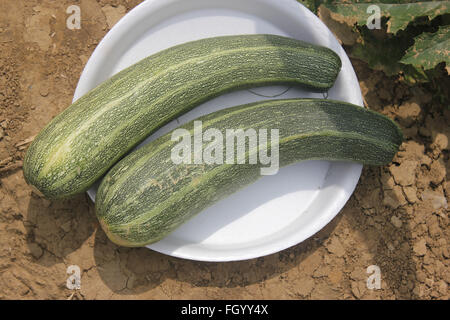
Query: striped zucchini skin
146	196
79	145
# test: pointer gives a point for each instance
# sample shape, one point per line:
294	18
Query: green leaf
310	4
429	49
374	51
399	15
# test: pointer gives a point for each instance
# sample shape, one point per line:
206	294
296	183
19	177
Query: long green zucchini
146	195
79	145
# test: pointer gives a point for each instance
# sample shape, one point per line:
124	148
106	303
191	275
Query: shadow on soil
57	228
389	245
149	268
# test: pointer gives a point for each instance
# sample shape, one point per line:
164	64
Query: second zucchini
146	195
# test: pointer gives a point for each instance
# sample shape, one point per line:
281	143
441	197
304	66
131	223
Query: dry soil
397	218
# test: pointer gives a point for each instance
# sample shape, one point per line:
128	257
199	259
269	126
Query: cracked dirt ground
397	218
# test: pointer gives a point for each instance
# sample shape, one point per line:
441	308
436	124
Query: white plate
277	211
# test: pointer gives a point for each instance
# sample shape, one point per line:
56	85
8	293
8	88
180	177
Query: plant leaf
429	49
399	15
310	4
381	54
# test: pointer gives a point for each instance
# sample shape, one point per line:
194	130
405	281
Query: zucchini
79	145
145	196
